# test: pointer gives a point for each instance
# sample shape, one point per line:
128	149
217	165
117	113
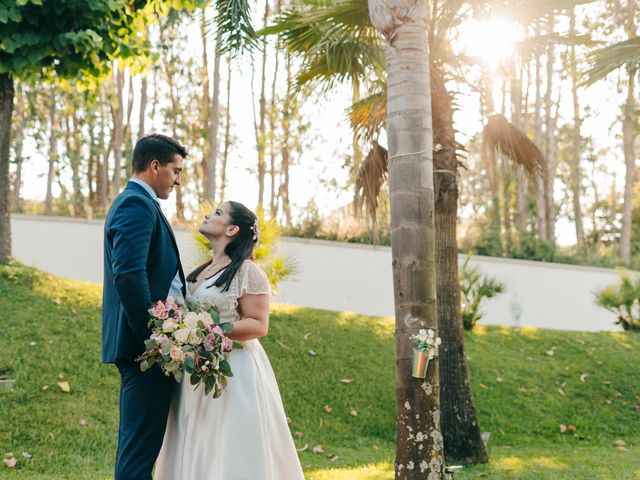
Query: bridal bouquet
189	339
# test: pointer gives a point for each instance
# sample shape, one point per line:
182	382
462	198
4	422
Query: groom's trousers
145	398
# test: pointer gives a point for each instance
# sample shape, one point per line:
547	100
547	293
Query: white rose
429	341
438	341
422	331
191	320
182	335
205	318
193	338
169	325
430	332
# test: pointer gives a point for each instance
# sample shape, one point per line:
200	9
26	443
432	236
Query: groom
141	266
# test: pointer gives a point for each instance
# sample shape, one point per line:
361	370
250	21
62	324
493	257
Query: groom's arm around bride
141	266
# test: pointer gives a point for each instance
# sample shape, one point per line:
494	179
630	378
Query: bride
243	434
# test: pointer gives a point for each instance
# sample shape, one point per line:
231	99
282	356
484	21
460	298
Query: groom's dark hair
155	147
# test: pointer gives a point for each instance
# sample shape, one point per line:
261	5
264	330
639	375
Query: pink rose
227	346
210	342
177	355
159	310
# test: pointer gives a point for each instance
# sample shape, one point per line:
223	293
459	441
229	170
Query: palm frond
525	11
233	21
371	176
530	45
513	143
368	116
608	59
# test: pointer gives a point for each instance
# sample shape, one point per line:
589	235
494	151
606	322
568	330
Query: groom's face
166	177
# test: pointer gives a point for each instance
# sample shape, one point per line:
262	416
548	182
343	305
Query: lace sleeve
251	280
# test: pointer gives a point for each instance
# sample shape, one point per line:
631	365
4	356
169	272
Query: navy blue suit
140	261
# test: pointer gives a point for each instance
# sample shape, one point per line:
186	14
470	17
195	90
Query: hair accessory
255	228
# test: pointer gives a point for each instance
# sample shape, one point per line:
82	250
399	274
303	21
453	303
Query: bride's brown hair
238	250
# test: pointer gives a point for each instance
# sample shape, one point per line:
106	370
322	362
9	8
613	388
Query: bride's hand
255	318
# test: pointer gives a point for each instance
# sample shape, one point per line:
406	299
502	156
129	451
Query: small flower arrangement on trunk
424	349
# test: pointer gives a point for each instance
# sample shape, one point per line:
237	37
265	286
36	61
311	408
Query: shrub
475	286
623	300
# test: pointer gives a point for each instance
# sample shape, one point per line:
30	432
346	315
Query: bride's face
217	224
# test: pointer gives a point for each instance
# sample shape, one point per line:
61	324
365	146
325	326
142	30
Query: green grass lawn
527	382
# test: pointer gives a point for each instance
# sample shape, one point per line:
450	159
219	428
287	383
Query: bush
475	286
623	299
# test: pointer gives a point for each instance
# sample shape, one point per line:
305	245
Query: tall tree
53	151
576	174
214	122
419	445
117	112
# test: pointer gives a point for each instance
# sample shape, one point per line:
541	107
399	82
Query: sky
319	174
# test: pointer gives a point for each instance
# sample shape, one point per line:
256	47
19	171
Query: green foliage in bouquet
623	299
475	286
276	265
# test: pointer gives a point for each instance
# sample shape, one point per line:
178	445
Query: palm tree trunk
462	439
53	154
6	111
227	133
628	144
576	150
419	446
212	161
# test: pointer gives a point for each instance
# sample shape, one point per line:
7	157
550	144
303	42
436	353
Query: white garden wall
341	276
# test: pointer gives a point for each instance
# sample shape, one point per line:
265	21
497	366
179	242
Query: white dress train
243	434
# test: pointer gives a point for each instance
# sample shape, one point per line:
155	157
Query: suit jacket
140	261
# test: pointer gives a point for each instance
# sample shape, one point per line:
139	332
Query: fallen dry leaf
353	413
307	335
549	353
499	379
346	381
561	392
64	386
376	447
45	387
9	462
619	443
282	345
313	353
289	421
482	385
318	449
583	377
607	382
328	409
302	449
82	423
607	401
563	428
299	434
321	424
56	301
572	428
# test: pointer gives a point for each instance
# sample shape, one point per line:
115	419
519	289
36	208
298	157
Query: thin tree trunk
577	148
261	131
489	154
118	130
6	111
227	133
273	205
550	210
103	170
18	141
206	98
73	152
628	144
53	154
212	162
537	139
521	177
419	447
285	147
92	162
462	439
143	105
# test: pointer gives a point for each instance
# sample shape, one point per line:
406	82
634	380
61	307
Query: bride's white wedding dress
243	434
